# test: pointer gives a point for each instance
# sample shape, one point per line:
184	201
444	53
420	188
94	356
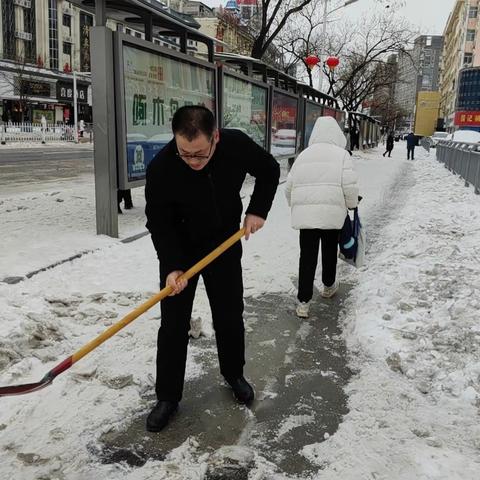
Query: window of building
429	42
470	35
467	58
67	20
473	12
53	33
128	31
246	12
67	48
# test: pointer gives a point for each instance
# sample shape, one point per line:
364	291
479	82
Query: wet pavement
298	368
20	169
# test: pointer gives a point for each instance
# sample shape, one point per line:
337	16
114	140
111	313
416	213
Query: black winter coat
390	141
190	212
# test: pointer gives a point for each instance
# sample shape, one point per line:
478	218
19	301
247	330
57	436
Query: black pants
389	151
224	286
126	196
410	150
309	244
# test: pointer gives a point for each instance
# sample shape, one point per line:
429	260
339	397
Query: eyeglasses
196	156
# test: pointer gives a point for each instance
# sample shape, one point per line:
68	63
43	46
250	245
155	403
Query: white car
284	138
436	137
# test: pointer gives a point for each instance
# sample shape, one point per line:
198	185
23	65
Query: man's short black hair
192	120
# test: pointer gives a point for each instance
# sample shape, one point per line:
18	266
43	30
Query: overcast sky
428	15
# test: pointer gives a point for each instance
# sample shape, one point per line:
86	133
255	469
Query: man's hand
252	223
176	284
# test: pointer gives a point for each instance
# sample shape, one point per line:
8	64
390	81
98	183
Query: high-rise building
418	71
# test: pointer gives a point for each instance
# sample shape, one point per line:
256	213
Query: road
22	168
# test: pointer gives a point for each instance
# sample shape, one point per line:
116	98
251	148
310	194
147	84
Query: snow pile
413	333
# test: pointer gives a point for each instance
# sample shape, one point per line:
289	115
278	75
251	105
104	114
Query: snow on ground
411	325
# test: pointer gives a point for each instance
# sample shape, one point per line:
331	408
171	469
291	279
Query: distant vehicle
467	136
284	138
436	137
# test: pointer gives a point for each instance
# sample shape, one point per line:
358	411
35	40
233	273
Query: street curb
17	279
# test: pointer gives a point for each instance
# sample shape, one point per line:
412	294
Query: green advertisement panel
245	108
155	86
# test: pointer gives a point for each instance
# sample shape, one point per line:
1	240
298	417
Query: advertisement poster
86	23
245	108
48	114
284	124
329	112
155	87
312	112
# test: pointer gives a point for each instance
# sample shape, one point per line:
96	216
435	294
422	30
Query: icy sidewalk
413	332
410	325
52	220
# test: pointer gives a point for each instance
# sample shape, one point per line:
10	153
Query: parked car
436	137
284	138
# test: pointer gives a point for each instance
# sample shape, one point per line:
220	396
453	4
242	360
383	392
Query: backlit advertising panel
312	112
245	108
155	86
284	124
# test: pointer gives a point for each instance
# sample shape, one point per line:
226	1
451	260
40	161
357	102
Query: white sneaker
302	309
329	292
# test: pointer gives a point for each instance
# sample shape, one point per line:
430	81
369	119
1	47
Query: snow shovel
68	362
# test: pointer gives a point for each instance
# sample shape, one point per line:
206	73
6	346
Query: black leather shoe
160	415
242	389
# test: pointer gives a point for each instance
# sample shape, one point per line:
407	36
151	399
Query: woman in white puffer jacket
321	186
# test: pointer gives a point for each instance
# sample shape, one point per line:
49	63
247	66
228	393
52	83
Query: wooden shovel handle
165	292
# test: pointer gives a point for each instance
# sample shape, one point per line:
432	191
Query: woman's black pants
309	245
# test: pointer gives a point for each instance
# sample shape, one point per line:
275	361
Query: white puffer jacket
322	183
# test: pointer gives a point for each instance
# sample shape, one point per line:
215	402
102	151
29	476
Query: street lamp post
326	13
75	116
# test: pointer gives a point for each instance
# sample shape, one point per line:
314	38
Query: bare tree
273	15
363	69
15	75
301	39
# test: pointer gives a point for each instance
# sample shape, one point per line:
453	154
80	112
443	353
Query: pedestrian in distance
389	145
320	188
81	127
193	204
411	142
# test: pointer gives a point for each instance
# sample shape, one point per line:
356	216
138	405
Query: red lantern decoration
311	61
332	62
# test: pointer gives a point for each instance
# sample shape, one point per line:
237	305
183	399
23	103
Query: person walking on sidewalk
321	186
411	142
389	145
193	204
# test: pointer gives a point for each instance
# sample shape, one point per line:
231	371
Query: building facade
42	42
461	51
418	71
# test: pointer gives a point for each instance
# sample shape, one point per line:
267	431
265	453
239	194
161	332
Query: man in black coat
193	204
411	142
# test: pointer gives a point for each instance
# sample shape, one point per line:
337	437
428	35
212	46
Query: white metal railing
34	132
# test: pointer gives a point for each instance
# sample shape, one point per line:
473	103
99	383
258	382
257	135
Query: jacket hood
326	130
